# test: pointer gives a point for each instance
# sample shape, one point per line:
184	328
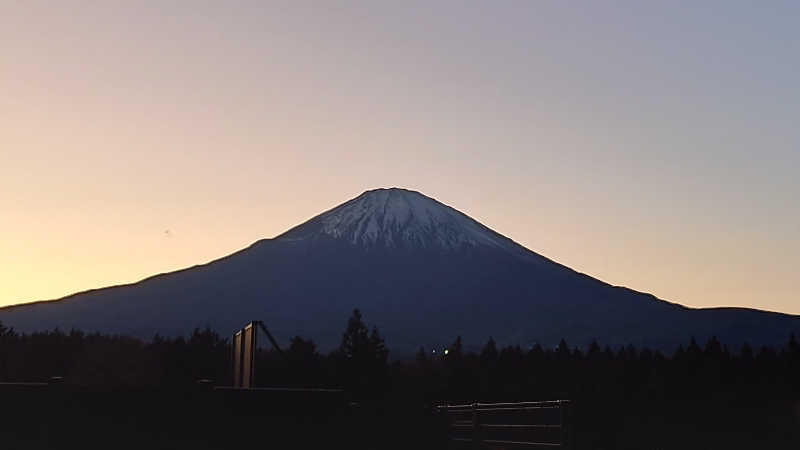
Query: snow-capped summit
421	271
400	217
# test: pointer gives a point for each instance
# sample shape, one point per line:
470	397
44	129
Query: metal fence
544	424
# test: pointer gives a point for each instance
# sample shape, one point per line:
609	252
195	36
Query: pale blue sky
650	144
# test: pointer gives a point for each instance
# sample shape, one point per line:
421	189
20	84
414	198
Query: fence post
566	424
476	440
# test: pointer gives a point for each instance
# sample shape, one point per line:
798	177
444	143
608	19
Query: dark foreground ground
35	417
50	417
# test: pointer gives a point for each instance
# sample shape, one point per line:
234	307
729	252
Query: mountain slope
420	270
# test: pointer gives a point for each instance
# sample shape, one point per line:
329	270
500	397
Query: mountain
421	271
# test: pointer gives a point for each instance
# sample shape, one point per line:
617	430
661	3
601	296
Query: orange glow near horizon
143	139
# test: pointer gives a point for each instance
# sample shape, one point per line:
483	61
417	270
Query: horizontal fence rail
544	424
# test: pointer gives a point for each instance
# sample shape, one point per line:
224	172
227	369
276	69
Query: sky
649	144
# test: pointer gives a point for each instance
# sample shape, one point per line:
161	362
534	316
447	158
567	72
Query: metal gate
543	424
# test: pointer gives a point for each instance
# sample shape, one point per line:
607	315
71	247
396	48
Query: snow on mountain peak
400	217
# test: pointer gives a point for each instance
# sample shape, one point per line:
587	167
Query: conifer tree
489	354
364	355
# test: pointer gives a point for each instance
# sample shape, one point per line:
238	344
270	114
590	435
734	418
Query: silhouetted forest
700	396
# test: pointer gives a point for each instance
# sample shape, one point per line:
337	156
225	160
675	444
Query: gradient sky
653	146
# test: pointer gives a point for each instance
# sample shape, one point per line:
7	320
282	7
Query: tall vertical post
249	351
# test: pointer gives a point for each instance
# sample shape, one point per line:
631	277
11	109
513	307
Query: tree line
702	395
361	365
